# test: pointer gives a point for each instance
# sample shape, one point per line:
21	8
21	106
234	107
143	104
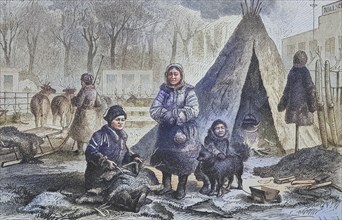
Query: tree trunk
150	42
8	60
124	50
142	56
67	71
90	59
186	49
31	61
174	47
112	51
32	47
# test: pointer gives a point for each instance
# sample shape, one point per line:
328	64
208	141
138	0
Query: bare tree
114	15
35	19
187	26
142	19
91	29
67	28
9	27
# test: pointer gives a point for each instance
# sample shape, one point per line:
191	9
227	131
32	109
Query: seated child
217	143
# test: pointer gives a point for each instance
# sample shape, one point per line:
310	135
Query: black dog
218	169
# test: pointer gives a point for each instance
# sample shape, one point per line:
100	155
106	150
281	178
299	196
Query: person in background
86	117
299	96
177	146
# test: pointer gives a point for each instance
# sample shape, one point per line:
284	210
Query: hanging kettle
249	122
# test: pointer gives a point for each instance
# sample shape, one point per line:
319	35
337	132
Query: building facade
9	80
324	41
124	82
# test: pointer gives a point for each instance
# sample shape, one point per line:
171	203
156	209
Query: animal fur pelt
27	143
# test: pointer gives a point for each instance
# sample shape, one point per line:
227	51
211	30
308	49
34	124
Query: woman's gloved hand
169	118
111	165
107	164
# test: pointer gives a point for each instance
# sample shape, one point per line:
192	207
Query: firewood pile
309	168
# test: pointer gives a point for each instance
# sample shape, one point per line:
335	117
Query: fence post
330	104
320	105
15	100
27	102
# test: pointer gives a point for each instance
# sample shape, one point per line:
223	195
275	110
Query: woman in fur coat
175	109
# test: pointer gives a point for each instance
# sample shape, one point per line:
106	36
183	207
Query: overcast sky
282	18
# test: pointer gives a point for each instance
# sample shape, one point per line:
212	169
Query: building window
291	50
330	48
111	83
313	45
301	46
8	83
128	84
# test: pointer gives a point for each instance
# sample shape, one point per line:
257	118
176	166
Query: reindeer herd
60	106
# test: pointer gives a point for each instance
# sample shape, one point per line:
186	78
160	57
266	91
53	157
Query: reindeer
61	106
40	104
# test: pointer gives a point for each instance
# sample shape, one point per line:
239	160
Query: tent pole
297	138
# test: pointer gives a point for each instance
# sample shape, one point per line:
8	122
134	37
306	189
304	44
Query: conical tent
247	78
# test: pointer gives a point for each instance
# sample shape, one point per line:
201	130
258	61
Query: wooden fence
15	101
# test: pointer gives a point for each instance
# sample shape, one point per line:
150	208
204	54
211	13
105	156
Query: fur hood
211	137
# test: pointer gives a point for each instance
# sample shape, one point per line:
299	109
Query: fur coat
105	143
86	120
299	98
177	145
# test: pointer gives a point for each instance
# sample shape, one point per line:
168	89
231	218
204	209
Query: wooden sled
45	133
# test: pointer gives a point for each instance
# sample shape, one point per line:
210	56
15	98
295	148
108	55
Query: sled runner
43	132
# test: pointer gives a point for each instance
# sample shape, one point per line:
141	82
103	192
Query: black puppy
218	169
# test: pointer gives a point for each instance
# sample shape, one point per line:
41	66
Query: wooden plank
321	177
284	179
14	162
299	182
320	185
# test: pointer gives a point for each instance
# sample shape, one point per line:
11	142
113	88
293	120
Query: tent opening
254	123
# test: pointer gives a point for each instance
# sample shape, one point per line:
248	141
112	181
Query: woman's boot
166	183
180	193
205	188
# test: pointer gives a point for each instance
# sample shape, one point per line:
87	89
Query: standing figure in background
86	120
299	96
177	146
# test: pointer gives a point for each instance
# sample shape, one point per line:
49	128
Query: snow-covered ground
62	174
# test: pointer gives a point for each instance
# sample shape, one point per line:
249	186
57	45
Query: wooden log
300	182
320	185
321	177
284	179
